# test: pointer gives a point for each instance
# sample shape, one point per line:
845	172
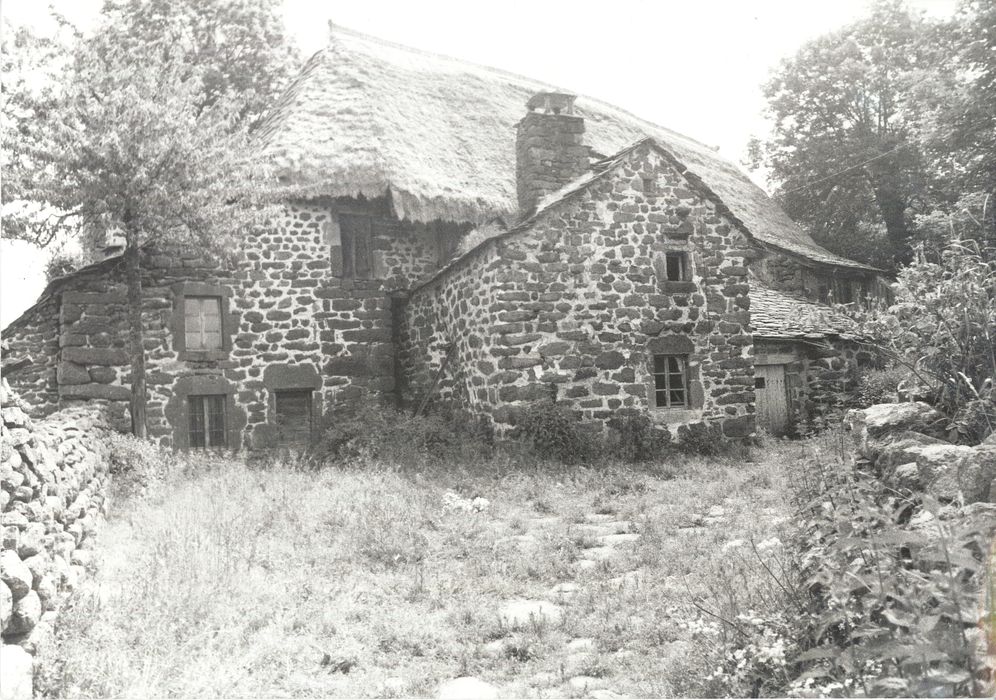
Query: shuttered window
293	413
670	381
207	421
356	237
202	323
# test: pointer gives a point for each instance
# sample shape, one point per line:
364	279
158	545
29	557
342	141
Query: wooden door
772	400
293	411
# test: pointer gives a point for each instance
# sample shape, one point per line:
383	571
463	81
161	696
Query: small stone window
207	421
202	323
649	186
676	267
356	238
671	381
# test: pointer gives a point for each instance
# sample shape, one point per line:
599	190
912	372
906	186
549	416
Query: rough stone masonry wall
291	321
814	369
577	302
53	475
36	335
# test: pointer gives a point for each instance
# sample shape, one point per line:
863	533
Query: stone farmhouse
461	233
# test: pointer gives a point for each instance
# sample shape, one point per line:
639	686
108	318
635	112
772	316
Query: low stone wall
54	476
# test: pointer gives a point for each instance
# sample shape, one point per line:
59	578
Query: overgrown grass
357	580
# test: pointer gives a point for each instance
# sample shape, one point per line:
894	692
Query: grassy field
373	581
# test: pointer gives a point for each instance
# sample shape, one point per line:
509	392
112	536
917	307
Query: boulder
31	541
6	605
938	469
902	448
905	476
976	473
466	688
27	611
870	425
17	666
15	574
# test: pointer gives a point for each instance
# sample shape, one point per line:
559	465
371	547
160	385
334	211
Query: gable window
676	267
207	421
670	381
356	238
202	323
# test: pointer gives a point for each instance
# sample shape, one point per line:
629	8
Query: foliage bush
880	385
942	326
375	431
555	431
887	596
135	464
634	438
704	440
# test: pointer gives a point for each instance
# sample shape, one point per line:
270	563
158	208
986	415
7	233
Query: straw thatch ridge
368	117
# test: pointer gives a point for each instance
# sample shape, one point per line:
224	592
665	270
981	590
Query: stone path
602	538
604	541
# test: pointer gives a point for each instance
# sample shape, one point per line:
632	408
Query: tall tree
844	151
239	47
133	148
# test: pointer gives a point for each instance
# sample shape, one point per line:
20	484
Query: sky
695	67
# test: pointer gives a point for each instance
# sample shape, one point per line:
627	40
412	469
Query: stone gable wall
53	485
576	304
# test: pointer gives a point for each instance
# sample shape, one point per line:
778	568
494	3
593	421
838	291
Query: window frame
212	409
666	375
221	323
178	326
684	269
349	236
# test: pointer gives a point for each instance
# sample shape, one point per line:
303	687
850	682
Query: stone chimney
549	148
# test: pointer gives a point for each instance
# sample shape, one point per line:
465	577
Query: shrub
941	326
702	439
554	431
880	385
373	430
634	438
135	464
887	602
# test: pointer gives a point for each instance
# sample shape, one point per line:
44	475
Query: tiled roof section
367	117
776	314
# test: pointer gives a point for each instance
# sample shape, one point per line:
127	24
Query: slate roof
777	314
368	117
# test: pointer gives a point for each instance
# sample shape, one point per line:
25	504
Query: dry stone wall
54	477
576	304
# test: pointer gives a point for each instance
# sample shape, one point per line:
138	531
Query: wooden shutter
293	413
356	237
202	323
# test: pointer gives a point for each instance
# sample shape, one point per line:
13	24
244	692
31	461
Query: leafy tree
844	150
240	47
133	148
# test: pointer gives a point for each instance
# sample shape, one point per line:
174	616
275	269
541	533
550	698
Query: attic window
356	236
676	267
649	186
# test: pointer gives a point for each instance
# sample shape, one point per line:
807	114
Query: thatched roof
368	117
778	315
